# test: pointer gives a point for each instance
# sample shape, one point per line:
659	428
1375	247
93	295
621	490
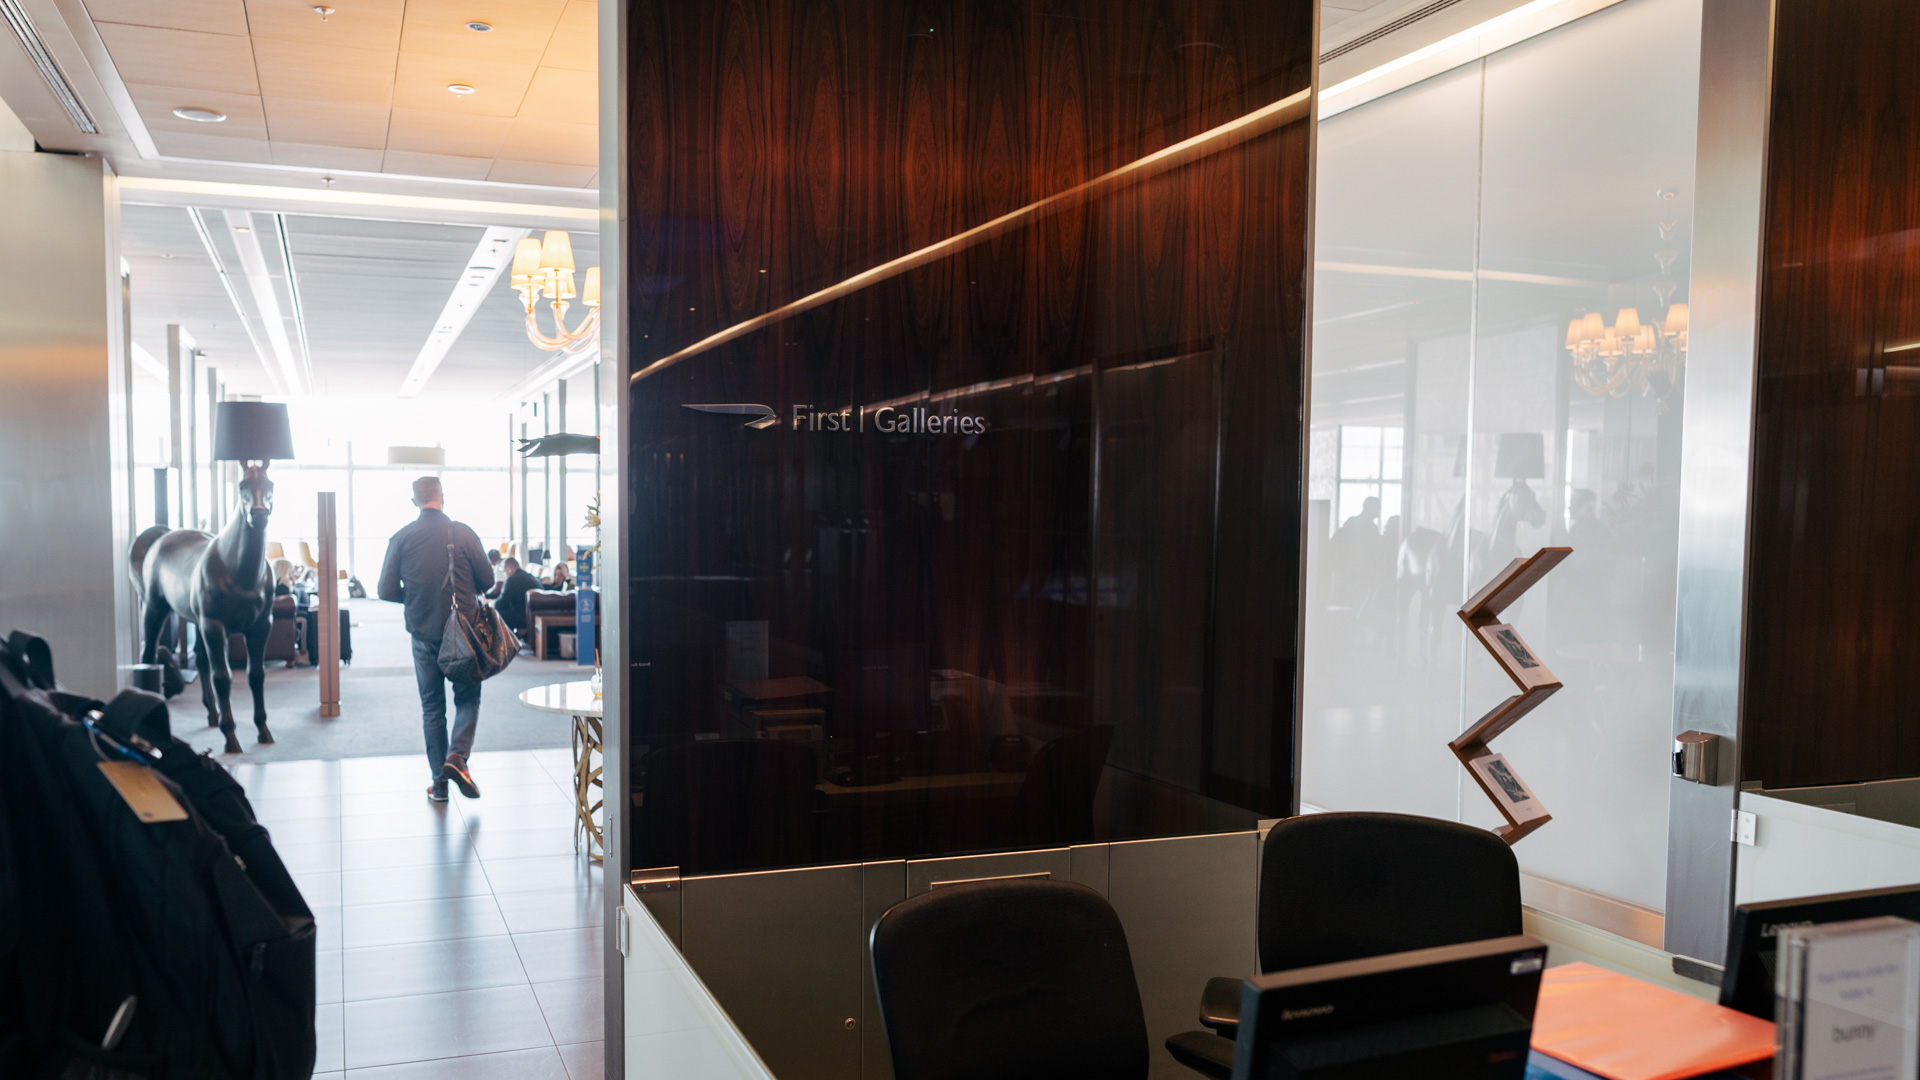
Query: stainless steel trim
1043	875
1736	48
610	573
1598	910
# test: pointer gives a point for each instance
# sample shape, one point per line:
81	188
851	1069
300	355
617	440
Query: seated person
282	577
511	594
562	578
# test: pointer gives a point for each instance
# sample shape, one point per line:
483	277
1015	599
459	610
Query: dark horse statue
224	585
1428	558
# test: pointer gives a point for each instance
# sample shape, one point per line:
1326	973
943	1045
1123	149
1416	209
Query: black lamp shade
251	431
1522	456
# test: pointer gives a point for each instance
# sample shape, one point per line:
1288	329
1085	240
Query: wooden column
326	651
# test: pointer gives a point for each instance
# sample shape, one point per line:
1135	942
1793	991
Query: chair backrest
1008	980
1056	800
728	804
1338	887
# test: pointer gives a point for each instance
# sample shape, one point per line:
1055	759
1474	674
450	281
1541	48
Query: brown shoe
456	770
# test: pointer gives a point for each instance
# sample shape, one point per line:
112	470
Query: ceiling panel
337	82
173	281
312	156
562	94
576	41
182	144
422	80
546	140
362	127
198	61
521	29
315	71
360	24
430	132
209	16
409	163
245	120
506	171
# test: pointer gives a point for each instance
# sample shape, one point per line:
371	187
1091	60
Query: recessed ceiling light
199	115
479	27
460	88
241	228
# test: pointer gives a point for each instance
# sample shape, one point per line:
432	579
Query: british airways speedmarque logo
764	417
853	419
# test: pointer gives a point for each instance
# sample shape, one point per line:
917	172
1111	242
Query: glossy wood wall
1832	690
1119	549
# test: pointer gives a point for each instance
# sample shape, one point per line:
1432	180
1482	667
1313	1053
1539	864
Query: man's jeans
433	709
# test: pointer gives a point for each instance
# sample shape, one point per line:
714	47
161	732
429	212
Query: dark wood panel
1833	640
1120	548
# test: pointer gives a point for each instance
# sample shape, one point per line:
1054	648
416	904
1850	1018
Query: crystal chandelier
1629	354
545	267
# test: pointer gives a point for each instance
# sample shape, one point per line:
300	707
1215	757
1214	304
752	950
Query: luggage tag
143	792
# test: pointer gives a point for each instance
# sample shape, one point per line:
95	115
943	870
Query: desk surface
567	698
1544	1067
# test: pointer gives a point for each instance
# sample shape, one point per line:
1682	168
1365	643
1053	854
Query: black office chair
727	804
1008	980
1337	887
1056	801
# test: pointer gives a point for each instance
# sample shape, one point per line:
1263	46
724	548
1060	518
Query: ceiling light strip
493	254
233	297
293	301
63	91
253	262
281	196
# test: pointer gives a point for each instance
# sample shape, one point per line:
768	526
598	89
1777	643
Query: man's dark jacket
513	598
415	573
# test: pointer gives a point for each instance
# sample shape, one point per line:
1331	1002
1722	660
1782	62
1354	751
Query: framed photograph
1506	786
1516	656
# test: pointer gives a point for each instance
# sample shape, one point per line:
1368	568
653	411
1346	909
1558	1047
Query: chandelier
1629	354
544	267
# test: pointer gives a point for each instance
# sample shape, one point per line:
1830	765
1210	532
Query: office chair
1016	979
1056	800
1337	887
728	804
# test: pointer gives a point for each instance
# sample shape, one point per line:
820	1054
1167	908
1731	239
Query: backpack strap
137	712
33	659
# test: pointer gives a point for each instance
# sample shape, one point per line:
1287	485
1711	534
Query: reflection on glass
993	546
1501	284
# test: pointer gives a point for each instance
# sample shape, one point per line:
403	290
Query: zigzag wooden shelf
1509	794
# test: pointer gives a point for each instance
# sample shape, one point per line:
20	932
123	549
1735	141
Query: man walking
415	574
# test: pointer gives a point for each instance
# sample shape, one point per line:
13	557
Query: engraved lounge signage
855	419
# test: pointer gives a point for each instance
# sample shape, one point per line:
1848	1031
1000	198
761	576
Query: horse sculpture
223	584
1428	557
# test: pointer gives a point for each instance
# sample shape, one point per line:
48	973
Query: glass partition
966	431
1501	285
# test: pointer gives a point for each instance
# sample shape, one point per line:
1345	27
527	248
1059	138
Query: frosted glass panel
1393	309
1500	255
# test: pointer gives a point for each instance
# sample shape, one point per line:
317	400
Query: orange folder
1625	1029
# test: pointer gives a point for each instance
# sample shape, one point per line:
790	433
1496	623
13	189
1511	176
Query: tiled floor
459	939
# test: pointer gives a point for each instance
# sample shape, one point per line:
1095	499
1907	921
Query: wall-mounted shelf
1496	777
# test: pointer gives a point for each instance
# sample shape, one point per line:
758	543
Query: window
1369	468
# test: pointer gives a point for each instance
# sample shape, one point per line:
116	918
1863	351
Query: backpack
150	949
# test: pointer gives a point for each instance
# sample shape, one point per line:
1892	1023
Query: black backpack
149	949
